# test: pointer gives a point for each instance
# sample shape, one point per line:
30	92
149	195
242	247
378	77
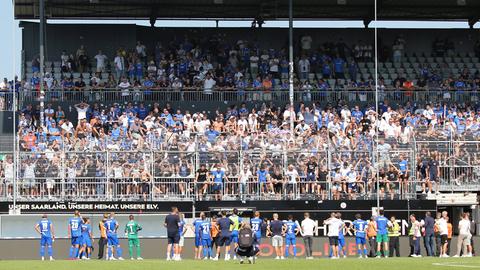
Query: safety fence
232	175
452	164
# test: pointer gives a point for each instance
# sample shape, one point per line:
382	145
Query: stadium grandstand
214	118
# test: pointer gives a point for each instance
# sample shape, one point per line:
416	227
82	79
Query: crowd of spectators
143	150
152	151
215	63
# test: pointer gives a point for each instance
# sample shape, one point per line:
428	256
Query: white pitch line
455	264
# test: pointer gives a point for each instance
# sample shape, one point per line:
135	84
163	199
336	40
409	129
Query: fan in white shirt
306	42
141	49
82	109
242	124
208	84
101	58
292	174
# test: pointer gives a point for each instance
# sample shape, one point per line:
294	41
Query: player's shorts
360	240
86	241
198	241
173	238
290	240
444	238
234	237
217	186
341	241
277	241
133	242
76	240
207	242
310	177
112	240
45	241
333	240
224	240
181	242
433	178
382	238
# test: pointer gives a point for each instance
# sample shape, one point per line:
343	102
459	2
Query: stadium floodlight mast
290	62
376	105
42	60
14	119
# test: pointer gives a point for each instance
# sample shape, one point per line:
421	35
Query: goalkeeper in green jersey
131	230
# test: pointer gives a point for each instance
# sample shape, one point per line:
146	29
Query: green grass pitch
263	264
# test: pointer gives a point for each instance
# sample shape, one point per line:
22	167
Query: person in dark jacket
246	247
429	237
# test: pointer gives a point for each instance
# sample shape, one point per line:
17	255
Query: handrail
227	89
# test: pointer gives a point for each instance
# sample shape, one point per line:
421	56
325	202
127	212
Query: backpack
245	238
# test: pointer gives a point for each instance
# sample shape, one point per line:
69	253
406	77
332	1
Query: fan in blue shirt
211	135
45	228
291	235
403	165
218	176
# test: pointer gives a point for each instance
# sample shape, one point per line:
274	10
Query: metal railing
458	164
333	95
170	175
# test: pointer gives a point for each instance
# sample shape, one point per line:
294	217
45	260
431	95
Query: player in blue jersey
292	228
87	240
256	224
359	227
113	245
75	234
342	247
181	230
382	234
206	236
198	240
45	228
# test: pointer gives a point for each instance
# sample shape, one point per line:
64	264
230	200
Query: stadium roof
246	9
